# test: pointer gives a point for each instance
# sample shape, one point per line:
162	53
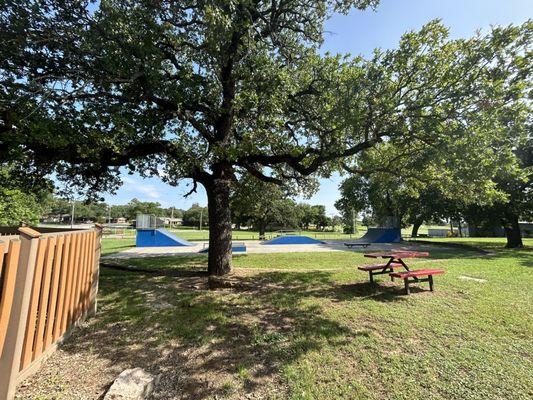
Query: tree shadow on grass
523	255
436	250
389	292
205	343
288	286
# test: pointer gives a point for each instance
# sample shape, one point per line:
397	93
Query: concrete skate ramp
381	235
159	238
293	239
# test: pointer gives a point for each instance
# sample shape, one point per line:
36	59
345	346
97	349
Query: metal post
72	215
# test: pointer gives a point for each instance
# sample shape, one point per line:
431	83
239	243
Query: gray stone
132	384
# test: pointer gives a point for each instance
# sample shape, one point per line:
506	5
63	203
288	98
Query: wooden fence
48	284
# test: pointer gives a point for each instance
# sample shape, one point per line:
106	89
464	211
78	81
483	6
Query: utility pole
171	222
201	215
72	215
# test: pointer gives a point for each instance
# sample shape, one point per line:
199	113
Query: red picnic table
395	259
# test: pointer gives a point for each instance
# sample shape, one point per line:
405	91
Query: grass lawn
114	245
489	244
307	326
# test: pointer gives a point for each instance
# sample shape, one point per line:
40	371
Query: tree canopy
210	91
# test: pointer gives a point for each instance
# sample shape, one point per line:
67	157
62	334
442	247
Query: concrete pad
257	247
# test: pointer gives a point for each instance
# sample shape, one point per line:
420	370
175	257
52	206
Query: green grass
489	244
309	326
114	245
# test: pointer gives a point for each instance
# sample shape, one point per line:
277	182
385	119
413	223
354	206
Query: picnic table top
398	254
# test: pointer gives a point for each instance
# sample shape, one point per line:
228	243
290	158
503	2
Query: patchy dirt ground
192	337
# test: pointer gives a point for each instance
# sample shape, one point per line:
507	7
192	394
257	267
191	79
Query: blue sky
359	33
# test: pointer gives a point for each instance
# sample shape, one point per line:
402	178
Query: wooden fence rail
48	284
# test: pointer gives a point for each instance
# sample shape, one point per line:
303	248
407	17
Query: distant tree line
59	209
263	207
411	197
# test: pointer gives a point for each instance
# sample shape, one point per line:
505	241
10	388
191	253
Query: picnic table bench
396	260
357	244
415	275
379	269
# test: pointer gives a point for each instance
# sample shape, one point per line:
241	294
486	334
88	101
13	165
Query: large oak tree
212	90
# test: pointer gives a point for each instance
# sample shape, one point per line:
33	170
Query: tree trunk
262	228
512	232
416	226
219	259
451	228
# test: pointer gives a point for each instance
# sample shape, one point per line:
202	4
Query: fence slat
3	247
44	296
88	270
54	290
79	267
69	284
83	265
74	266
62	288
95	268
8	287
32	310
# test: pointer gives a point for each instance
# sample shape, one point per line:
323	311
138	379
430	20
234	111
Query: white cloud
148	190
140	188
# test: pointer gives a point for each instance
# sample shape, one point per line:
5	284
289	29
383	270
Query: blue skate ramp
293	239
158	238
381	235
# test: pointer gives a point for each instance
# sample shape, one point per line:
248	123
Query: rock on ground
469	278
132	384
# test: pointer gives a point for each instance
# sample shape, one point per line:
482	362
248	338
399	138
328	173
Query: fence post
10	357
96	270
